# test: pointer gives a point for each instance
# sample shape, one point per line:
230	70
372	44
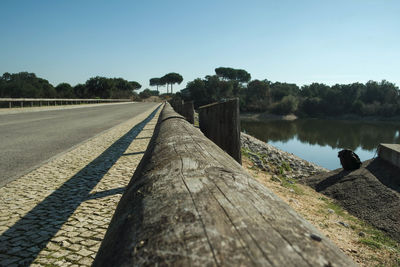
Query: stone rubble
57	215
277	162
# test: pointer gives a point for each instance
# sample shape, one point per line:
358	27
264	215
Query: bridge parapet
55	101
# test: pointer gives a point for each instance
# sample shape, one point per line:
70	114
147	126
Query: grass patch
377	238
336	208
330	204
285	167
246	152
250	154
374	238
371	243
291	184
323	198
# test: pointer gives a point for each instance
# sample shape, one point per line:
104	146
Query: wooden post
188	111
190	204
220	122
9	104
177	104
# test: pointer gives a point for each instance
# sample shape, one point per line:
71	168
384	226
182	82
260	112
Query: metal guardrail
60	101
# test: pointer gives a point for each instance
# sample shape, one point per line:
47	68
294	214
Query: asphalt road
30	139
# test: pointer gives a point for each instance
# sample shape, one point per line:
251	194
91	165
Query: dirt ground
366	245
371	193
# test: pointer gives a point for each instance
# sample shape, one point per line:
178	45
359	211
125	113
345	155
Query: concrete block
390	152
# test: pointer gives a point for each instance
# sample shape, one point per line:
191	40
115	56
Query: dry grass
366	245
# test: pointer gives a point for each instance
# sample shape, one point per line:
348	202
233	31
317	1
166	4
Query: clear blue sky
337	41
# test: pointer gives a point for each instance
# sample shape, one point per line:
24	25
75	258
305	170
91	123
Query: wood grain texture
188	111
190	204
220	122
177	104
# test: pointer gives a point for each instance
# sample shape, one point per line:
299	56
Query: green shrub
287	105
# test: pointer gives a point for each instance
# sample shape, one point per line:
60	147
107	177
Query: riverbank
283	173
265	116
277	162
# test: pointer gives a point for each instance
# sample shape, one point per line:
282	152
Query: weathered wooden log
189	203
188	111
220	122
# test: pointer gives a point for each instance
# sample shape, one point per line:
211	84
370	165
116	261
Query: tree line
314	100
28	85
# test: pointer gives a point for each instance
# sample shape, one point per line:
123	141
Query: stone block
390	153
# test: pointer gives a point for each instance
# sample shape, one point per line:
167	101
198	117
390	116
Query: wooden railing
190	204
55	101
186	109
220	122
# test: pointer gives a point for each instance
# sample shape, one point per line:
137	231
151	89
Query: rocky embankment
277	162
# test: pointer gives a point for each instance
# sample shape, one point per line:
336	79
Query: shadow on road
30	234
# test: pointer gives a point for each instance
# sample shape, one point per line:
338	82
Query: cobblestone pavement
57	215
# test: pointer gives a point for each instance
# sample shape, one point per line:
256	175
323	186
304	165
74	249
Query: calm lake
319	141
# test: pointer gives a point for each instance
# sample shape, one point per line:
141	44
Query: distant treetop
233	74
171	78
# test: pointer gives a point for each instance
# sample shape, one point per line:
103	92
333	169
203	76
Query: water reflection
336	134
